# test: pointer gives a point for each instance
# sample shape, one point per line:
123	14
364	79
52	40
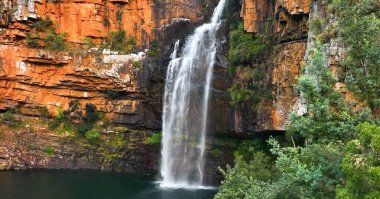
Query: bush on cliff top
119	41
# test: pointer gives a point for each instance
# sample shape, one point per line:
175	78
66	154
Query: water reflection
84	184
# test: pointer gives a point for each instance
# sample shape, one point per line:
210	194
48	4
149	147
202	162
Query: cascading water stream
186	100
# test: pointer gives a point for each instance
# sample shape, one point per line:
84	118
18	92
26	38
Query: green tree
54	41
328	117
120	42
248	179
362	164
312	171
359	28
92	115
244	48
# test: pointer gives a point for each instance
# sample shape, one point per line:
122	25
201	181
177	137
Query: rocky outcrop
31	145
254	14
34	146
34	79
287	23
287	66
96	18
127	88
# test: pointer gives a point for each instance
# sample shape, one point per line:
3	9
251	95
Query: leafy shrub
54	124
297	172
92	115
49	151
154	139
60	115
120	42
82	128
73	120
54	41
68	127
43	24
32	42
113	94
137	64
154	48
239	94
118	141
328	118
248	179
362	164
73	110
244	48
93	136
9	117
359	28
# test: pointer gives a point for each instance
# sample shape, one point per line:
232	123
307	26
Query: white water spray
186	100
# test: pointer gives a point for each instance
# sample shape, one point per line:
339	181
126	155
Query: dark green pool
83	184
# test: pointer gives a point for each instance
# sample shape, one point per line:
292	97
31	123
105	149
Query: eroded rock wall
31	79
128	88
287	23
96	18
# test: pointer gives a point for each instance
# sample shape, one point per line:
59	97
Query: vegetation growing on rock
43	29
333	149
119	41
154	139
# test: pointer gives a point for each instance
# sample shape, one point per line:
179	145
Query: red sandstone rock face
290	27
255	12
31	79
86	18
294	7
288	63
288	22
34	78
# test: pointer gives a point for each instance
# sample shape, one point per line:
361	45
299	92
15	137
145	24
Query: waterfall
186	100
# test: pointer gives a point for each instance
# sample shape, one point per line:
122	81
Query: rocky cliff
284	26
128	87
33	76
292	41
54	52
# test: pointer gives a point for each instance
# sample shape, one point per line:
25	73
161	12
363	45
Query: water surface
84	184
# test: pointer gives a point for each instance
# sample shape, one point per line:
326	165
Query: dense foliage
362	164
74	121
55	41
359	27
244	47
245	54
333	150
52	40
119	41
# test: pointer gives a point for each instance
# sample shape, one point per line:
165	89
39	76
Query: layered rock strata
127	88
